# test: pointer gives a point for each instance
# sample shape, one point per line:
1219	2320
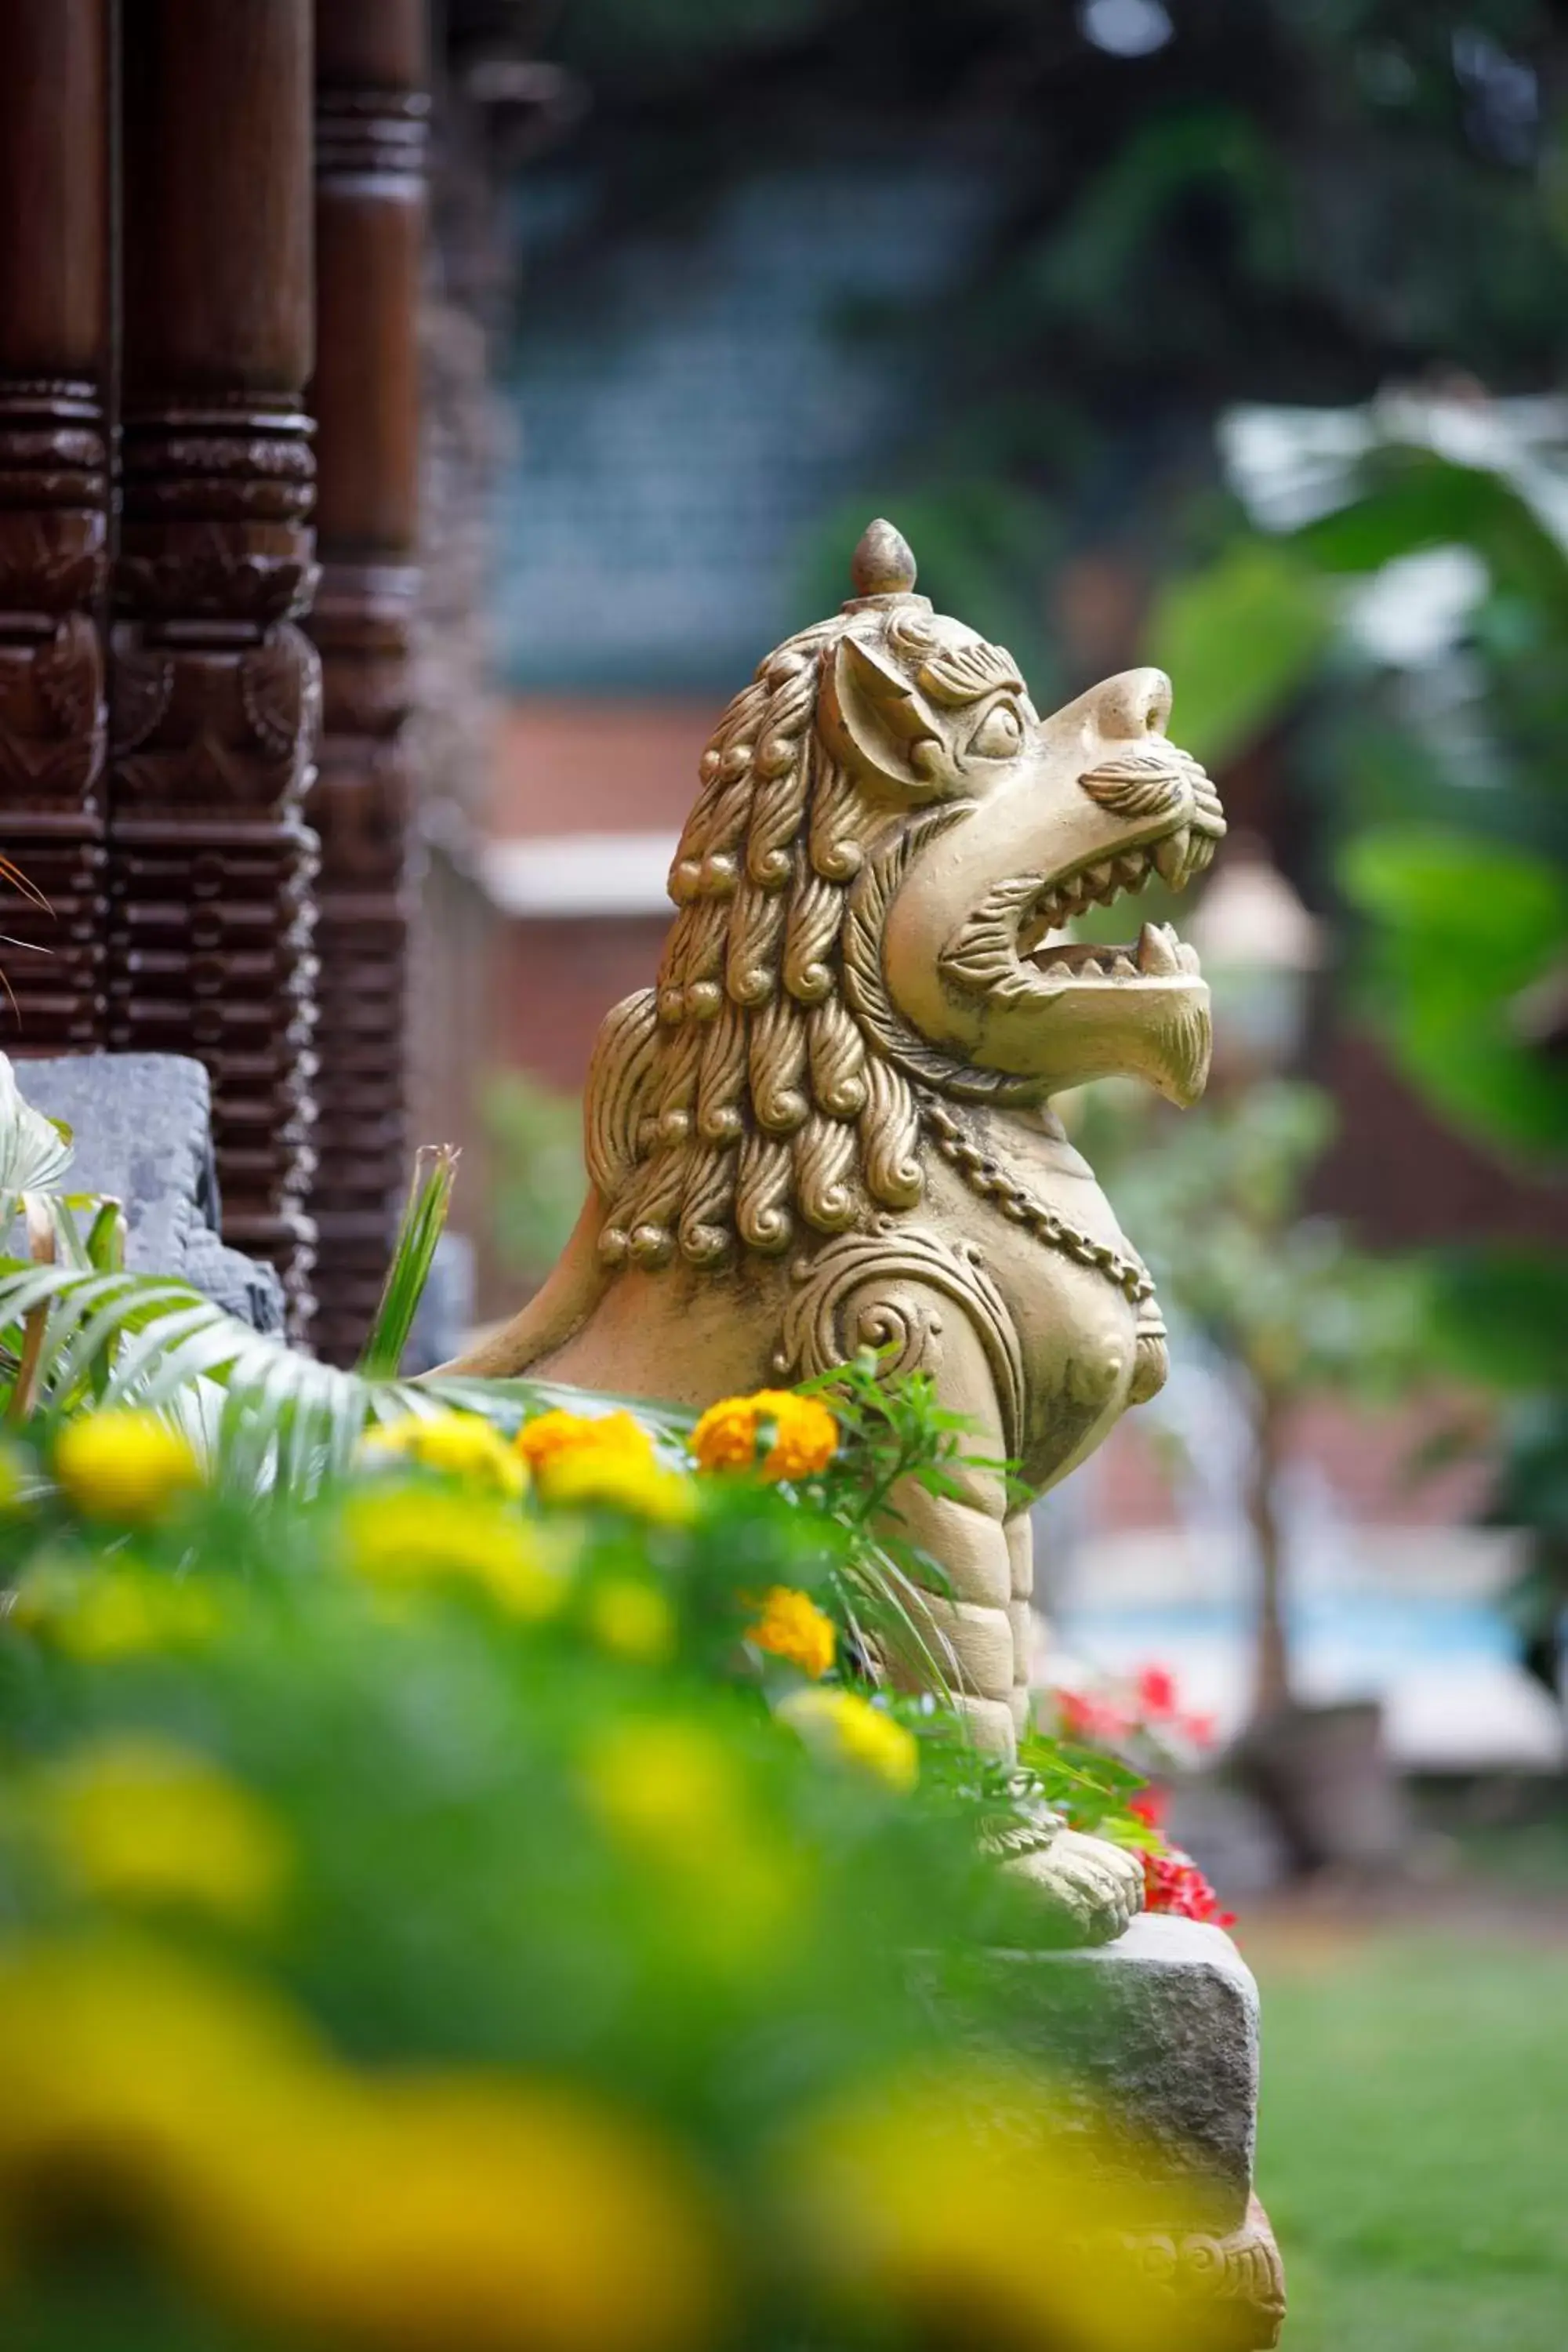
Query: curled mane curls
760	1113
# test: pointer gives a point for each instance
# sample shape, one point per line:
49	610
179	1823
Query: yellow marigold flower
805	1435
124	1464
138	1819
609	1479
328	2205
414	1537
134	2071
667	1791
459	1444
461	2210
605	1459
792	1627
844	1725
633	1619
914	2201
665	1785
109	1613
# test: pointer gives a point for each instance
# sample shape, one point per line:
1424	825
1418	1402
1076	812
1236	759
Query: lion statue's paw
1095	1889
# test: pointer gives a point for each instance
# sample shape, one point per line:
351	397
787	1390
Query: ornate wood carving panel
372	108
54	151
215	694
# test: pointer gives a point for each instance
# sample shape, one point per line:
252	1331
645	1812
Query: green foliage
1458	929
1243	637
34	1151
536	1191
420	1228
1286	202
421	1806
895	1432
1217	1204
1502	1312
1453	829
118	1338
1407	500
1087	1787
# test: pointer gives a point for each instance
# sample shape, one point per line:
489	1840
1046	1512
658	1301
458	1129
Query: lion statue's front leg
979	1628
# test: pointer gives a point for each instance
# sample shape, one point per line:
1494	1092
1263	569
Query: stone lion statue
828	1125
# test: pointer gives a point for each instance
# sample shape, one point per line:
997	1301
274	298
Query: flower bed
465	1882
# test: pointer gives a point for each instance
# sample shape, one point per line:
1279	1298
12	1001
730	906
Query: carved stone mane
746	1097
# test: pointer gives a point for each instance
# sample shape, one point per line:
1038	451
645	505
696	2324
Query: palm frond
34	1151
510	1403
275	1416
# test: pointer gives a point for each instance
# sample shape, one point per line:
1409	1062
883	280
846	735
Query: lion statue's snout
1135	703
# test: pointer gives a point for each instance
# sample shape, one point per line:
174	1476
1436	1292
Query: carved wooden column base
217	693
371	111
53	495
215	689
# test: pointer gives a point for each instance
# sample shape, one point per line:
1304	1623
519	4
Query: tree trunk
1272	1691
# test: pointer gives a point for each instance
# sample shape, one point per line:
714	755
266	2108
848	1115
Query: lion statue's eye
999	734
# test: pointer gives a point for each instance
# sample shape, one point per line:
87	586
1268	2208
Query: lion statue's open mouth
1061	1010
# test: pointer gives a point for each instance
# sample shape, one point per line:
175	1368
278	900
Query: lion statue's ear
880	725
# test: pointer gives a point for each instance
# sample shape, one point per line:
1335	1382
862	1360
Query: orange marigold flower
791	1626
805	1435
726	1436
543	1441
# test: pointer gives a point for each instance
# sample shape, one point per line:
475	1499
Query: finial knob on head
884	563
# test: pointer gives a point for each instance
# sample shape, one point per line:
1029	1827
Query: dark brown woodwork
215	692
372	108
54	497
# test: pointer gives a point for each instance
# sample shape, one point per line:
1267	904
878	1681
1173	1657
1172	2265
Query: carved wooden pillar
54	309
215	690
372	108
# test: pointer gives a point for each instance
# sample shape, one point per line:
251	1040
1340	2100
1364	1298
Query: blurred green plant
535	1134
77	1330
1451	820
1282	200
1219	1204
451	1898
420	1227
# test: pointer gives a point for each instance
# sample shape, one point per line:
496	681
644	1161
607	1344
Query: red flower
1095	1720
1201	1729
1173	1883
1157	1690
1150	1805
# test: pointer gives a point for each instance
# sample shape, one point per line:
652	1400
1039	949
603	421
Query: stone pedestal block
143	1125
1155	2041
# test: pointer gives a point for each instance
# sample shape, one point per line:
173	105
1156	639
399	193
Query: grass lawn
1414	2149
